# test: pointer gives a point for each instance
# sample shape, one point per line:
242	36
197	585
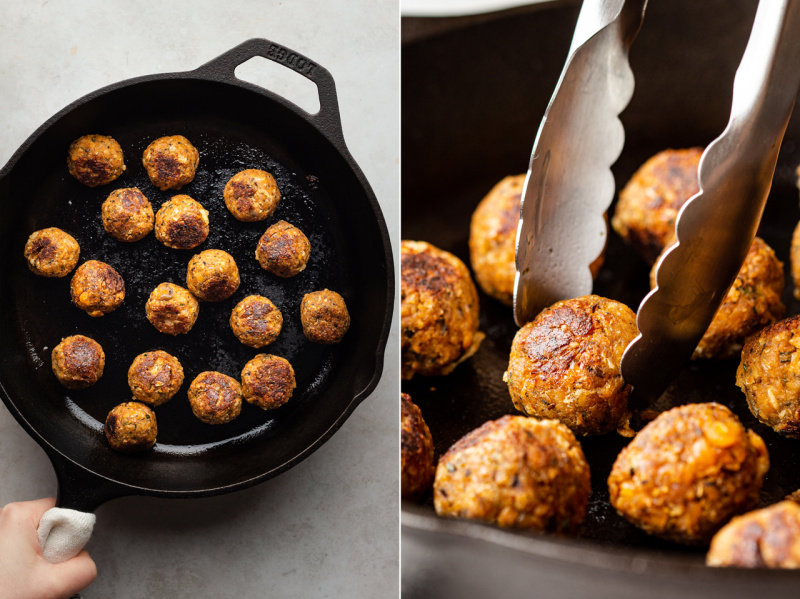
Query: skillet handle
79	489
327	120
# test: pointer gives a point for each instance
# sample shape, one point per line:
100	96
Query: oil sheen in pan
210	345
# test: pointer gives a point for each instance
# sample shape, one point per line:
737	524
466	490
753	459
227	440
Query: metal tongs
714	229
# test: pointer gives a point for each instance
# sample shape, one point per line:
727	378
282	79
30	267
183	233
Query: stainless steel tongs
714	229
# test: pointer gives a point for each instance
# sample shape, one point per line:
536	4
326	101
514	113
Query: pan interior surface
233	128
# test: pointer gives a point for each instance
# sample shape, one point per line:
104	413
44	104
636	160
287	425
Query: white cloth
63	533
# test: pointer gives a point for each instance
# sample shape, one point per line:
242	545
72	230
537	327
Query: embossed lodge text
290	59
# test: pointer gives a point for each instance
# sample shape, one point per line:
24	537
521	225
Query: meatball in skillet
283	250
251	195
95	160
256	321
215	397
181	223
212	275
794	258
515	472
155	377
268	381
131	427
172	309
688	472
97	288
416	451
51	252
171	162
78	362
565	365
127	215
324	317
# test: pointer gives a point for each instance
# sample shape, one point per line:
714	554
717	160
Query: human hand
23	571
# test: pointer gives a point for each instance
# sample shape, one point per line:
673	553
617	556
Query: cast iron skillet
235	125
474	91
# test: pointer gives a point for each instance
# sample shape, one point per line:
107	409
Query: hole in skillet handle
327	120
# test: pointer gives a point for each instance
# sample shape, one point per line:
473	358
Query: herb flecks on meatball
51	252
154	377
131	427
416	451
97	288
127	215
324	317
251	195
256	321
182	223
95	160
215	398
171	162
268	381
78	362
212	275
283	250
172	309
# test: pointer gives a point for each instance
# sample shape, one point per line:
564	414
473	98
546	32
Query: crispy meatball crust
439	310
172	309
256	321
769	538
212	275
131	427
769	376
155	377
416	450
649	203
794	258
324	317
95	160
51	252
688	472
251	195
565	365
268	381
283	250
215	397
182	223
78	362
171	162
127	215
515	472
97	288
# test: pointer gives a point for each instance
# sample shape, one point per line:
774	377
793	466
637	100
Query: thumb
73	575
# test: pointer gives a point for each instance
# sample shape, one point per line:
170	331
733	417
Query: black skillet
474	91
235	125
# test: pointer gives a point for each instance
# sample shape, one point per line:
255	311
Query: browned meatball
51	252
766	538
171	162
565	365
251	195
752	302
688	472
127	215
212	275
492	239
515	472
95	160
172	309
794	258
324	317
131	427
97	288
416	450
283	250
769	375
439	311
182	223
268	381
78	362
649	203
256	321
155	377
215	397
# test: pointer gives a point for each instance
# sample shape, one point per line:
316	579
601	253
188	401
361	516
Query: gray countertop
329	526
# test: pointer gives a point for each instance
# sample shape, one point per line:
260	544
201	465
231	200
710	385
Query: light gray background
328	527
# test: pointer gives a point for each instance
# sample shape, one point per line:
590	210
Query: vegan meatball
794	258
416	450
95	160
565	365
648	205
752	302
766	538
492	239
127	215
215	398
181	223
256	321
131	427
515	472
439	310
51	252
688	472
212	275
769	376
283	250
324	317
171	162
251	195
172	309
78	362
268	381
97	288
155	377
